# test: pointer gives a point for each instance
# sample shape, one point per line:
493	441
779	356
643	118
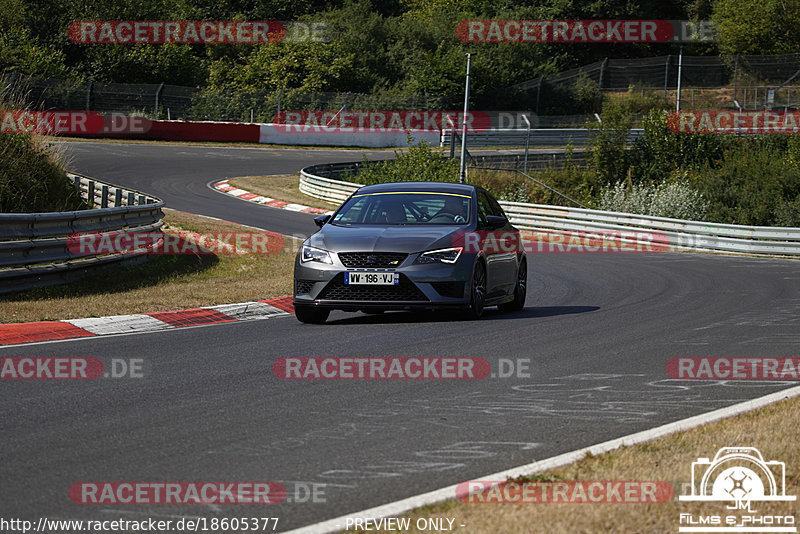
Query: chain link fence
746	82
162	101
563	100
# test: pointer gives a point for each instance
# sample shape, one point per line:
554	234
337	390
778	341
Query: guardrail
34	247
319	181
677	234
540	137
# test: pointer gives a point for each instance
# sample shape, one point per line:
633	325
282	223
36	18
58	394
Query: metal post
463	171
89	96
600	83
736	76
453	142
104	196
666	77
680	71
158	92
527	143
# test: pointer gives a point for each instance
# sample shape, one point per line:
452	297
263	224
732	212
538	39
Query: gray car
411	245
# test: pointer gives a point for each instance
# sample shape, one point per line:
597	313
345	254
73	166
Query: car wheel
477	291
520	289
306	314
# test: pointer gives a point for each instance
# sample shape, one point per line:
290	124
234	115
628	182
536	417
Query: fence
565	99
546	137
163	101
320	180
708	81
674	233
34	249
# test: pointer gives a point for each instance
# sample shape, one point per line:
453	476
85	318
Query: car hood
369	238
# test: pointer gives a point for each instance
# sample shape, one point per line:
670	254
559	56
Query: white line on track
400	507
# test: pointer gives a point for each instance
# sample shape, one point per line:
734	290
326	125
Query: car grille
406	290
453	290
303	286
383	260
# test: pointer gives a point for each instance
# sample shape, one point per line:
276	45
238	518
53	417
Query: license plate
372	279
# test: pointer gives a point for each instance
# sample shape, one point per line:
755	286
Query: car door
497	263
506	261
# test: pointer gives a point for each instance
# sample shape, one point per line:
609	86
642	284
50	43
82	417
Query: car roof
434	187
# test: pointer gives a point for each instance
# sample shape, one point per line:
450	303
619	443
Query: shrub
32	177
607	150
420	163
754	184
675	198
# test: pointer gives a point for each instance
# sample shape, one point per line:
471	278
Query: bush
659	152
608	154
420	163
32	177
754	184
674	198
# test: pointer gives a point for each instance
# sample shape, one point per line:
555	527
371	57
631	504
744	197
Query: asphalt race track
597	333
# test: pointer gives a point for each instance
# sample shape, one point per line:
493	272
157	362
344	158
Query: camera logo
738	475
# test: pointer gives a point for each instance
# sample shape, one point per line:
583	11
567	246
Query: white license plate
371	279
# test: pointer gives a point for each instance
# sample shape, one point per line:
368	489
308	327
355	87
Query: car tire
520	290
477	291
307	314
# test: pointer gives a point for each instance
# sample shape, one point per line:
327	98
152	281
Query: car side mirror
495	221
321	220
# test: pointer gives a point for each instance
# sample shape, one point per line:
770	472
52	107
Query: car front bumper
431	286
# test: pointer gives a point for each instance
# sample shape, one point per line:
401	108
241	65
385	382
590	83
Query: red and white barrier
236	132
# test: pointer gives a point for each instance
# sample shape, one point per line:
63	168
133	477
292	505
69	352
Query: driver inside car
454	209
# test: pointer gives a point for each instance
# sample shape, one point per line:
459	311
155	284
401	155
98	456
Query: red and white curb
225	187
20	333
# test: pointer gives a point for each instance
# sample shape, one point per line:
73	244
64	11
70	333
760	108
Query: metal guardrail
677	234
552	137
34	247
320	180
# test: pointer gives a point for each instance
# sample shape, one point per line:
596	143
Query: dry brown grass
162	283
280	186
770	429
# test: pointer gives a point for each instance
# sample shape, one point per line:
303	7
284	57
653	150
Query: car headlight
444	255
314	254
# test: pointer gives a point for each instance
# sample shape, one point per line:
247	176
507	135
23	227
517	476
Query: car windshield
402	208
